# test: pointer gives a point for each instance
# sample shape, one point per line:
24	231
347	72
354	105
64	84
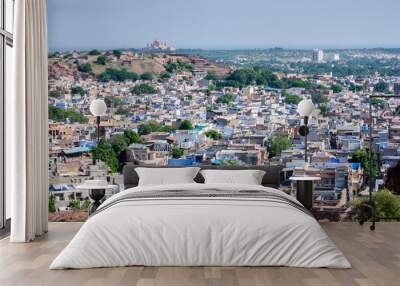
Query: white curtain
26	130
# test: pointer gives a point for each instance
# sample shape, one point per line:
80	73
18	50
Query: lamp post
305	109
98	108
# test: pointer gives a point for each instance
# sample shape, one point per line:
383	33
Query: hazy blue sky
84	24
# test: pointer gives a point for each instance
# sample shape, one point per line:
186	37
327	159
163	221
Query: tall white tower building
318	56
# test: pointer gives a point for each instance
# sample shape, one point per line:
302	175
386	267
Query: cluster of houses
245	125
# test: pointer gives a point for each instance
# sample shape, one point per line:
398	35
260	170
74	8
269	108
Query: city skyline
234	26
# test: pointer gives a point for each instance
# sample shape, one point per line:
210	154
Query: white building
318	56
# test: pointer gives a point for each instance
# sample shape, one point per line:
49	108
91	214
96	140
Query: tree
319	98
213	134
212	86
61	115
144	88
323	108
94	52
381	87
105	152
226	98
186	125
119	143
211	75
166	128
277	144
117	75
52	203
78	90
386	205
148	127
291	98
336	88
117	53
147	76
377	101
112	101
177	153
132	136
165	75
85	68
101	60
362	156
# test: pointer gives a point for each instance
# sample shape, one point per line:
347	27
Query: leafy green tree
212	86
117	75
336	88
78	90
319	98
177	153
377	101
147	76
113	101
291	98
117	53
186	125
85	68
386	205
104	151
94	52
166	128
119	143
144	88
355	88
226	98
277	144
101	60
122	111
132	136
362	156
148	127
381	87
323	108
61	115
52	203
165	75
214	134
211	75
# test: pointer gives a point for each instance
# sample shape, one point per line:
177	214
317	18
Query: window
6	43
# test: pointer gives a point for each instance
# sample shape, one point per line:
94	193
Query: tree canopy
213	134
381	87
147	76
291	98
144	88
226	98
186	125
85	68
61	115
277	144
78	90
101	60
117	75
177	153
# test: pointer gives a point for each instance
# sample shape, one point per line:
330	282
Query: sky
223	24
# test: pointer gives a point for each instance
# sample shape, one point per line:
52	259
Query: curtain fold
27	123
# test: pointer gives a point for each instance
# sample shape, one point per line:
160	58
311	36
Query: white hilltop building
157	45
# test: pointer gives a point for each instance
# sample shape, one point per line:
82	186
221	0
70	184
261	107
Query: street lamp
98	108
305	109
